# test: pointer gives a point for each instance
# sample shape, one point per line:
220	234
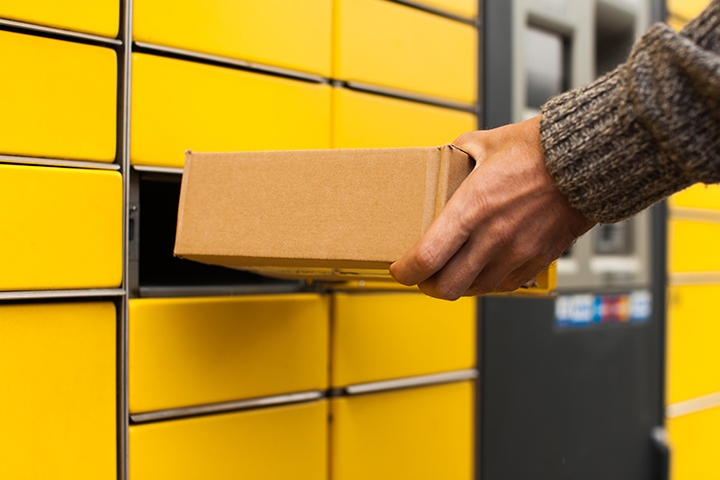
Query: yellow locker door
294	35
98	17
60	99
693	331
61	228
695	445
192	351
419	434
392	45
179	105
384	336
57	406
686	9
363	120
698	196
692	246
279	443
462	8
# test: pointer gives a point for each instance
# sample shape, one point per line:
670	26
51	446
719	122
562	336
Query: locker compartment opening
155	271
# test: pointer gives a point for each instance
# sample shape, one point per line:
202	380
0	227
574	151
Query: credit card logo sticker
585	310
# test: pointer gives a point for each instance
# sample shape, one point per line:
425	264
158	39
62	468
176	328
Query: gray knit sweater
647	129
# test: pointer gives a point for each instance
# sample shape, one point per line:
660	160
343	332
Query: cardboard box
322	214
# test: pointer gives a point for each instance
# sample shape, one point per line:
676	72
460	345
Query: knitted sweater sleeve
647	129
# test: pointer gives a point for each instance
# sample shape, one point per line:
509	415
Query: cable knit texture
646	130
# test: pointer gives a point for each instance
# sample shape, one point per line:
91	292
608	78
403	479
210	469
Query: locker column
61	203
227	370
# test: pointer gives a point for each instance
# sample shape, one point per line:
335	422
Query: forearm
649	128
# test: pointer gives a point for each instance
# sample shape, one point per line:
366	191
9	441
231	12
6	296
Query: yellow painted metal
692	246
676	23
61	228
266	444
693	356
57	406
192	351
392	45
686	9
293	34
546	283
463	8
179	106
362	120
422	433
698	196
695	445
98	17
58	98
391	335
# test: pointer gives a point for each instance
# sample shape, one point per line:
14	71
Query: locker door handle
662	450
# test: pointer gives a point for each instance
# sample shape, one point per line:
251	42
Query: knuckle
523	252
481	287
511	285
479	290
440	292
427	258
448	292
503	236
466	139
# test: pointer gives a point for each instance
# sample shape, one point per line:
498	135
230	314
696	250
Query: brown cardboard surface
313	214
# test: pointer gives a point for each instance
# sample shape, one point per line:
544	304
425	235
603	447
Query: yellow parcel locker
178	106
686	9
293	35
693	358
363	120
692	246
99	17
391	335
462	8
698	196
192	351
695	445
58	98
57	405
421	433
61	228
280	443
392	45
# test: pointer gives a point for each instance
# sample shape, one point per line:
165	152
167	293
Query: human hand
506	222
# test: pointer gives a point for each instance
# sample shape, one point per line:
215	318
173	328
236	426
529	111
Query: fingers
471	144
451	282
447	234
479	267
523	274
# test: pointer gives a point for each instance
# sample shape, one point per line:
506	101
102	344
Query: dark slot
614	239
615	31
547	66
159	197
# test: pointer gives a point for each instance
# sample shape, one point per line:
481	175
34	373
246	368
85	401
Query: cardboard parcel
343	214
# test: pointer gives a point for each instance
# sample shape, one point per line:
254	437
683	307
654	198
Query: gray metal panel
543	392
497	65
